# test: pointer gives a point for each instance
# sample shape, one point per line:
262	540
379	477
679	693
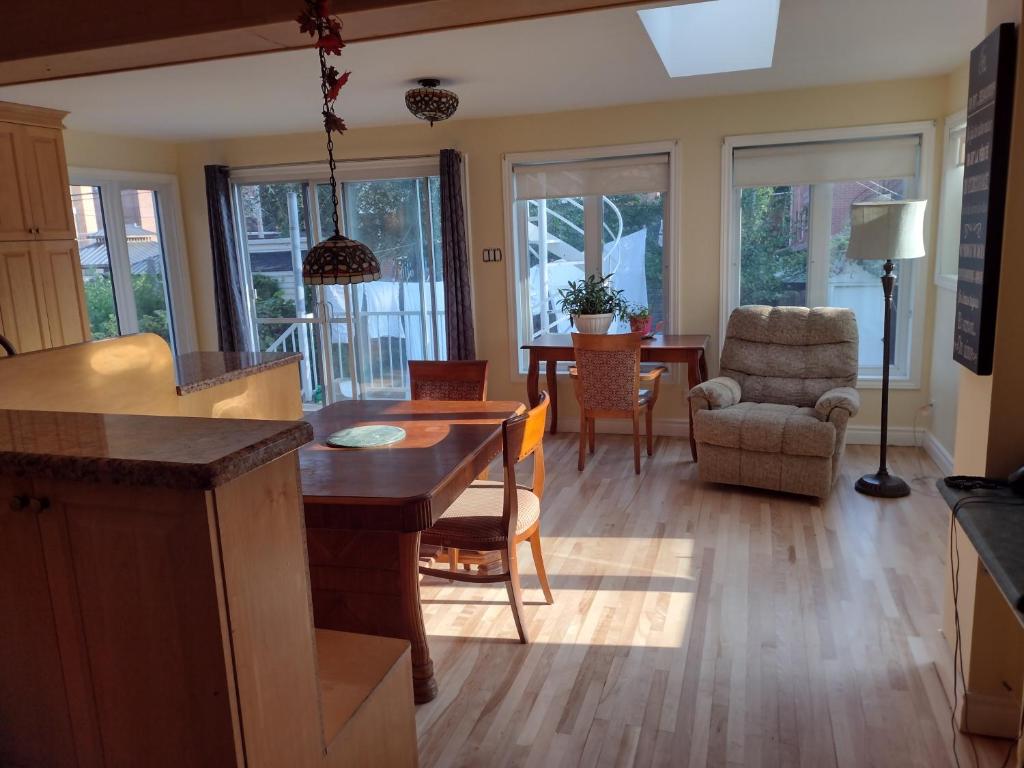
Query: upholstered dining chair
448	379
499	516
607	381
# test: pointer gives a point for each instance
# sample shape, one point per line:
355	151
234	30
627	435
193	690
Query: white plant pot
593	323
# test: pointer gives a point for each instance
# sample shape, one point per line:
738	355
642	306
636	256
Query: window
603	213
133	272
948	244
789	218
356	340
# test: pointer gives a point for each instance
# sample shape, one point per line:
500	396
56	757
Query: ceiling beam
116	35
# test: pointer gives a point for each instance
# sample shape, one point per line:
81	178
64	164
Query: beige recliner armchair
776	416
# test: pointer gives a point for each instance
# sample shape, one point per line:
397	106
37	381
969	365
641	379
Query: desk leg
532	380
551	369
696	372
368	582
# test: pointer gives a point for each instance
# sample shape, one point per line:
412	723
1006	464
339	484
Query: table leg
532	380
696	372
368	582
551	370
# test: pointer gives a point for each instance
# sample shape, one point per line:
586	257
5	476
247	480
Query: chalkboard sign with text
989	111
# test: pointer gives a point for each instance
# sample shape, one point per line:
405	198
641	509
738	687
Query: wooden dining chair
451	380
448	379
607	381
491	516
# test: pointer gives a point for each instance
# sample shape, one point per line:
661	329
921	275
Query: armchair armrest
719	392
844	398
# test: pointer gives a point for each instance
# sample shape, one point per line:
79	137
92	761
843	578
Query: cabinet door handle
39	504
19	502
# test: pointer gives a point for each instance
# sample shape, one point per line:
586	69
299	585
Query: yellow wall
944	379
120	153
699	125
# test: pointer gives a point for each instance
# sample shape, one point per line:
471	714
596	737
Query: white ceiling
570	62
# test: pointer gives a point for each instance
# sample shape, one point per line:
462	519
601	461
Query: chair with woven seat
452	380
448	379
497	516
607	380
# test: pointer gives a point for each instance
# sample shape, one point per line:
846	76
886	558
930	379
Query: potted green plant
639	318
592	303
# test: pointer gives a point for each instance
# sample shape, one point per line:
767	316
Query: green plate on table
367	436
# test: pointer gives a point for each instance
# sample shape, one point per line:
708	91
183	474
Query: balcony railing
384	342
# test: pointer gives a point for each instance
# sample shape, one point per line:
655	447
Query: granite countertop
201	370
994	522
165	451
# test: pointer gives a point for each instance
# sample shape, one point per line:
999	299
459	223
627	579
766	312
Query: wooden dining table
553	348
365	509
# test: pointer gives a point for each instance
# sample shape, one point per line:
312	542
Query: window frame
311	175
730	235
179	286
953	123
517	278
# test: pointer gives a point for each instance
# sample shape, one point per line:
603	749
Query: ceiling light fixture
337	260
431	103
706	38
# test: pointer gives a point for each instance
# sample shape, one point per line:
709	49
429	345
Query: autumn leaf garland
316	21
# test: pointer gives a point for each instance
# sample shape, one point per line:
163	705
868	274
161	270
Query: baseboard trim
855	435
937	452
870	435
666	427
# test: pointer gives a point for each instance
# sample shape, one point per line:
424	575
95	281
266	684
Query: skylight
704	38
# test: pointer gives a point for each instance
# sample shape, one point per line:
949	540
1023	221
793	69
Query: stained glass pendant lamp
338	260
430	102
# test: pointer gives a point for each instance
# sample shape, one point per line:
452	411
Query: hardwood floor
704	625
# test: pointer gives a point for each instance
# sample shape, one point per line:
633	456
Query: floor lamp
892	230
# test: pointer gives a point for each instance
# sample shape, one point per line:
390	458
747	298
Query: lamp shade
339	261
431	103
887	229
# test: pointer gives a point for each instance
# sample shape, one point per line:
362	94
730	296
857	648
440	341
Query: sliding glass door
356	340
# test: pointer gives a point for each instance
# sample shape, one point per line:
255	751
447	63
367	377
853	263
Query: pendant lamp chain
329	110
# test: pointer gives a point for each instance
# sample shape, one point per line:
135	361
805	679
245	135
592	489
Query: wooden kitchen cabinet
63	291
14	202
42	298
22	301
35	201
31	695
155	606
46	181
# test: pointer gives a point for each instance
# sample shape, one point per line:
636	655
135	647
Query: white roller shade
613	176
827	161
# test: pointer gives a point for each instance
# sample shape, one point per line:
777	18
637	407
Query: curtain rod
339	162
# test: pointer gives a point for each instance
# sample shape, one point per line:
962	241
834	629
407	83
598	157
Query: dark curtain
458	292
228	288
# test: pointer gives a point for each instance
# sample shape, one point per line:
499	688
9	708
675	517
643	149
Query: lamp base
883	485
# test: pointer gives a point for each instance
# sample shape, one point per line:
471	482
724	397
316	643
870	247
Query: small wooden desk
365	510
553	348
